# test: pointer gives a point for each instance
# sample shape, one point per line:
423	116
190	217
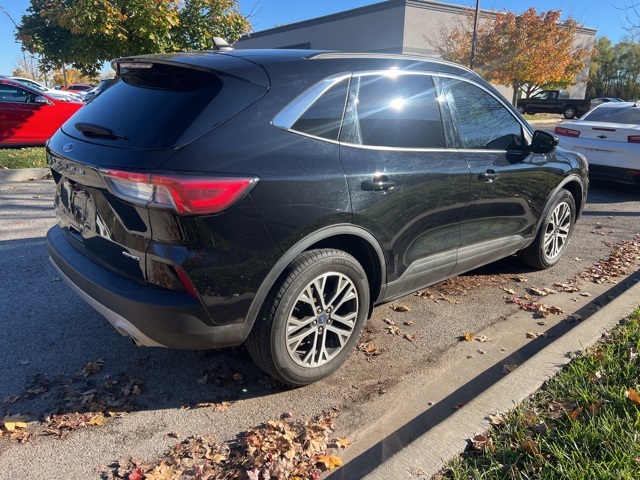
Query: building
392	26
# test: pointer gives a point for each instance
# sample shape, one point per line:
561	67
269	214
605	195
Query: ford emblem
67	147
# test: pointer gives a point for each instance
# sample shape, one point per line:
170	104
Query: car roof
267	57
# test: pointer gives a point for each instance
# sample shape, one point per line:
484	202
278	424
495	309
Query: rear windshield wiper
96	131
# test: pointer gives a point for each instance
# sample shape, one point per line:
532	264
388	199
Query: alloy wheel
557	231
322	319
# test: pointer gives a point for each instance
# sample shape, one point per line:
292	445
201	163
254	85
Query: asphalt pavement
401	429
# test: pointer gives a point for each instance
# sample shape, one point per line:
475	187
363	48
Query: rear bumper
151	316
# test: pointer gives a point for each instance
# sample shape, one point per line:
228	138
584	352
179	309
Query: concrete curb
23	174
428	453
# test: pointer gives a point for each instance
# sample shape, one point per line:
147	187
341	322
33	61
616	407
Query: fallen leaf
400	308
11	423
530	447
575	413
468	336
496	419
483	339
410	337
329	462
393	330
481	442
343	442
92	367
97	420
633	396
137	474
508	368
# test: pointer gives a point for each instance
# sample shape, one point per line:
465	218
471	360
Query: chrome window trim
286	117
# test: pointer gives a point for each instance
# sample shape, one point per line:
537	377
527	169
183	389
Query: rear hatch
156	105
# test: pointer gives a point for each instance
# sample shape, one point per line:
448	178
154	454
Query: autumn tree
603	71
86	33
526	51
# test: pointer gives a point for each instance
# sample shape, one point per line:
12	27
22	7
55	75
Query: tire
569	112
521	110
554	233
312	317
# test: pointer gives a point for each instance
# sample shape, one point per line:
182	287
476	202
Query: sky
604	15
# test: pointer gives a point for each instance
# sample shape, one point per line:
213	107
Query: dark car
554	101
274	197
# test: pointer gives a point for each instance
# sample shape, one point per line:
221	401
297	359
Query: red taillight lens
182	193
567	132
633	139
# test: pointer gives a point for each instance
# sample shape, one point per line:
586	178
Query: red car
29	117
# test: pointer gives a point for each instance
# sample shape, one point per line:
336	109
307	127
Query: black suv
274	197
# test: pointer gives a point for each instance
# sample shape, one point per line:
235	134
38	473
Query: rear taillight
633	139
567	132
181	193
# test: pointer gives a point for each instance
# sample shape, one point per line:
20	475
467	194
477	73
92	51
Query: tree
86	33
603	71
527	52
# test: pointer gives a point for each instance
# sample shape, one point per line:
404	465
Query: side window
323	117
483	122
398	111
9	93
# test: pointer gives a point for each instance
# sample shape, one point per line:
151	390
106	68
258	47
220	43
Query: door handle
489	176
378	184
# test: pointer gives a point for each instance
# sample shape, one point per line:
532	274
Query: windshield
32	84
605	114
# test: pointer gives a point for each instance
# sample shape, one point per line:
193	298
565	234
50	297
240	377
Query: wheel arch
357	242
576	188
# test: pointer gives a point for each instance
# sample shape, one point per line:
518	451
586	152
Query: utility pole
475	35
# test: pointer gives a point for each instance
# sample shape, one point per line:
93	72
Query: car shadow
62	357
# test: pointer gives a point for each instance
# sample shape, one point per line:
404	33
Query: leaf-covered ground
282	449
57	405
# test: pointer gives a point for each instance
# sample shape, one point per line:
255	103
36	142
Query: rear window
158	106
608	114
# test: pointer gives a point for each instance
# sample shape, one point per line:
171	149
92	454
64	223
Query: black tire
554	233
322	296
521	110
569	112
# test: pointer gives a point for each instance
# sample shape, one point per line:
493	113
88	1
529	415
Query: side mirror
543	142
41	100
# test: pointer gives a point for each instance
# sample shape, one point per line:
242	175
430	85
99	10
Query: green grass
543	116
22	157
584	424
